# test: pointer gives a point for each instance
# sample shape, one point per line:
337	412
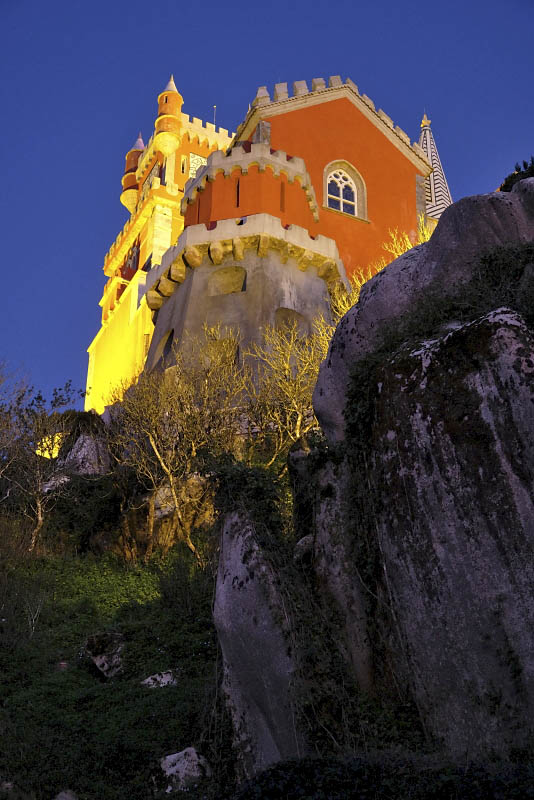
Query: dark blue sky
78	80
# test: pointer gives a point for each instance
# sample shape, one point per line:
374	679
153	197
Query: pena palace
253	228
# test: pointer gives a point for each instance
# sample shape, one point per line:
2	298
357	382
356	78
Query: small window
166	99
342	192
237	193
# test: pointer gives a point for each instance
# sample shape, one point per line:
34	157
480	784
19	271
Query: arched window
344	189
342	192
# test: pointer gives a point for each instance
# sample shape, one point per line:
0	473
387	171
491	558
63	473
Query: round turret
168	122
129	181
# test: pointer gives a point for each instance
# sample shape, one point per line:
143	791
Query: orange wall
259	193
338	130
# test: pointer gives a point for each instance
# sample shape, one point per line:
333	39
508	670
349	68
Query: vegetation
520	172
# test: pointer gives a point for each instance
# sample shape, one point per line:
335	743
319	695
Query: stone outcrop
452	473
253	628
89	456
449	259
183	770
424	530
160	679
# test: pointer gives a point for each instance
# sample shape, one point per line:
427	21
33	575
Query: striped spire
437	192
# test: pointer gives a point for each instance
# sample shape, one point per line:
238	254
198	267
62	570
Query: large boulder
88	456
451	488
253	627
449	259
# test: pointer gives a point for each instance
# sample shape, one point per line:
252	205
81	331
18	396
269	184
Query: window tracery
342	192
344	189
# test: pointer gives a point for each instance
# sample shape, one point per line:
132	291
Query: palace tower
253	230
152	190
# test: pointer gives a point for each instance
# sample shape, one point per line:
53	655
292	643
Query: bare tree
169	417
284	371
34	430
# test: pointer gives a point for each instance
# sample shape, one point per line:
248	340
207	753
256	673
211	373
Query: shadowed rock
252	625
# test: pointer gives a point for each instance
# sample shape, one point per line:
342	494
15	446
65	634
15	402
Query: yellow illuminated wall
118	351
152	190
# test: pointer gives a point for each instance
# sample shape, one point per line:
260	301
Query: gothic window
344	189
341	192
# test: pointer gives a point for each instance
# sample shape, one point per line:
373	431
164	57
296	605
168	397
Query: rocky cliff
418	513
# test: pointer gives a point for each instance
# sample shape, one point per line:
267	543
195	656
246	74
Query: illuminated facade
253	230
152	190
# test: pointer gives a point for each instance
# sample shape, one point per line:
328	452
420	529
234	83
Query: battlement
240	158
321	88
231	239
194	128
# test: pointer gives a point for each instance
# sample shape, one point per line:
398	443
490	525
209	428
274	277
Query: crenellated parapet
321	90
240	159
205	133
236	240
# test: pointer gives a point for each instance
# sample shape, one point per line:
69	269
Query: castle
252	229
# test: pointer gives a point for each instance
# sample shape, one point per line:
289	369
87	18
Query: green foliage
86	515
62	727
520	172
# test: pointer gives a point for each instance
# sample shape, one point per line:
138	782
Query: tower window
344	189
237	193
166	98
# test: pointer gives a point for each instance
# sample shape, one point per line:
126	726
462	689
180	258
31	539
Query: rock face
89	456
465	229
430	515
183	770
252	624
452	471
417	518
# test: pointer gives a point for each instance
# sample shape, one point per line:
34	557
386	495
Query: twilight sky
79	79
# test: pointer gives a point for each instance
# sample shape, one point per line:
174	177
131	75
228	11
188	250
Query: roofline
262	110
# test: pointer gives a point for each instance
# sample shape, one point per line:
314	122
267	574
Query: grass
63	728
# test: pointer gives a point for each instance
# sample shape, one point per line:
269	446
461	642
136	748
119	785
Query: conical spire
171	86
139	144
437	192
